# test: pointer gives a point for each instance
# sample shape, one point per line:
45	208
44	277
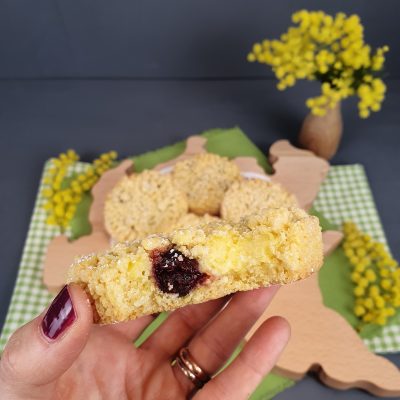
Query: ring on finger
190	368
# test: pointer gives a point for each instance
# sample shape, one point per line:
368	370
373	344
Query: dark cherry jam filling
176	273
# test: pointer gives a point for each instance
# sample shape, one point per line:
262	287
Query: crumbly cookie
205	178
194	265
249	196
142	204
192	220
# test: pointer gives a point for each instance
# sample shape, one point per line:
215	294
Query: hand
62	355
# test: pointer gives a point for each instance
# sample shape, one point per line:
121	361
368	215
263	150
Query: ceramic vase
322	134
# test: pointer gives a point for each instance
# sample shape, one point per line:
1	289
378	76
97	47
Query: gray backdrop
161	39
137	75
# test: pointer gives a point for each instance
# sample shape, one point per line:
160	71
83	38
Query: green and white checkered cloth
30	296
344	195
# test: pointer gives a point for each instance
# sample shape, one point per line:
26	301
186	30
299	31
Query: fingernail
59	316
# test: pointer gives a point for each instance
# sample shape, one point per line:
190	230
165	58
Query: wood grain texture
249	164
299	171
322	340
61	253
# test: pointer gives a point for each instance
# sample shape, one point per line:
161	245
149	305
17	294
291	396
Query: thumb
43	349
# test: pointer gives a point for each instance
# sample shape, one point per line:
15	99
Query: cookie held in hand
197	264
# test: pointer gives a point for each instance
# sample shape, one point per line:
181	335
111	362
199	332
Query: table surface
39	119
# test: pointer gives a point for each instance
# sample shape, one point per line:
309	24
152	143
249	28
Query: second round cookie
205	178
142	204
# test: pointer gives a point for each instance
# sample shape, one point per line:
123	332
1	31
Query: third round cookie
205	178
249	196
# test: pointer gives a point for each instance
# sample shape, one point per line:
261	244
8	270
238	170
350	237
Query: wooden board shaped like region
321	339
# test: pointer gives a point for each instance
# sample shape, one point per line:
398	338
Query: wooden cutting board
321	339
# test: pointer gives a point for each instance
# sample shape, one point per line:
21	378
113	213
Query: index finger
241	378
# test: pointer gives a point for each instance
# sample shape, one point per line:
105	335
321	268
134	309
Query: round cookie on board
142	204
249	196
205	178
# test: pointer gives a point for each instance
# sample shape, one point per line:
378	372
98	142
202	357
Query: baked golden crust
192	220
205	178
142	204
250	196
278	246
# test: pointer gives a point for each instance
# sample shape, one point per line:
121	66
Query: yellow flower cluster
376	276
331	50
62	197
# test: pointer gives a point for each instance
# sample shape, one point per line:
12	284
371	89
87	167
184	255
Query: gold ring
191	369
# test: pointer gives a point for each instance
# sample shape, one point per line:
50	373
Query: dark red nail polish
59	316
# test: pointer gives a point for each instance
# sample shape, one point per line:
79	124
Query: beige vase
322	135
